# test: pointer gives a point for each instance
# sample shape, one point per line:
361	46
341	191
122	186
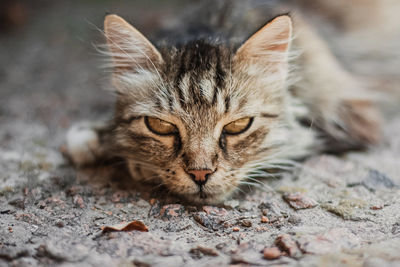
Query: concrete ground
328	211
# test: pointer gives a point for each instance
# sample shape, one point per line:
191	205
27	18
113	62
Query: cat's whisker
259	186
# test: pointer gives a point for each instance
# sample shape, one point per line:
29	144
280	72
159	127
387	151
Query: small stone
41	204
271	253
331	241
377	180
206	221
119	196
25	191
215	211
246	223
376	207
396	228
264	219
220	246
200	250
171	211
78	201
235	229
299	201
59	223
287	244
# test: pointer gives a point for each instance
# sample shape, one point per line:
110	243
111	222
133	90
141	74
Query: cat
203	115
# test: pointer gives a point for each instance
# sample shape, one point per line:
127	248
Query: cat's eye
160	127
239	126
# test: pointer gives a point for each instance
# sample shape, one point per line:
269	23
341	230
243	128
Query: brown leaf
126	227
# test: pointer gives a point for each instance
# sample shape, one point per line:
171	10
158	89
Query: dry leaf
126	227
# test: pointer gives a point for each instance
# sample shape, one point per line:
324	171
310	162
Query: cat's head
199	117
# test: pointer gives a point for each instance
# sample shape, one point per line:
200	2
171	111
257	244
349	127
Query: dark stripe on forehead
269	115
159	106
170	101
198	60
219	71
202	56
227	103
179	76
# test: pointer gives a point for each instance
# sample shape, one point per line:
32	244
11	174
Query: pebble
59	223
377	180
78	201
396	228
271	253
299	201
204	250
287	244
119	196
171	211
331	241
206	221
264	219
215	211
41	204
236	229
246	223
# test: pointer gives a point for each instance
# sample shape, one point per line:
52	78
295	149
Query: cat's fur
301	100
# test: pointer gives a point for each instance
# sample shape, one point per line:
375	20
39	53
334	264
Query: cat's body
201	115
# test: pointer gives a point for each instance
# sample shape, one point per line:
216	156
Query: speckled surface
328	211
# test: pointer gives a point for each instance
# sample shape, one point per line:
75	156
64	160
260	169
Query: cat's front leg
85	143
340	106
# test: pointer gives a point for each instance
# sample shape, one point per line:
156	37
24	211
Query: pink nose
200	177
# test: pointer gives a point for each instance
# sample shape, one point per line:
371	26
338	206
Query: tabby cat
203	115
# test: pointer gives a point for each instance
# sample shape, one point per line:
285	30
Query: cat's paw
362	120
357	126
82	144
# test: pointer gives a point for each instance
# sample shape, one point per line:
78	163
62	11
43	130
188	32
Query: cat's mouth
202	194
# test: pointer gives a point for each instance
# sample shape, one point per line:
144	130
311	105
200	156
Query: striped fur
201	86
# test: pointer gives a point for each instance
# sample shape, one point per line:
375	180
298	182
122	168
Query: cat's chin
202	198
194	196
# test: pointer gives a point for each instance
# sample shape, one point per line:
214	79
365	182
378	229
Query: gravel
329	209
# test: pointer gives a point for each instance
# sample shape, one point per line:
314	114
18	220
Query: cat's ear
130	50
269	46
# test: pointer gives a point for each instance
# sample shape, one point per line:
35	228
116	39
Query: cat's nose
200	177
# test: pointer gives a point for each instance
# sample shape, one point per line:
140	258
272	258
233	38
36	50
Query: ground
327	211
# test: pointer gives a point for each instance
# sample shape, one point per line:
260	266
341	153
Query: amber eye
160	127
239	126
